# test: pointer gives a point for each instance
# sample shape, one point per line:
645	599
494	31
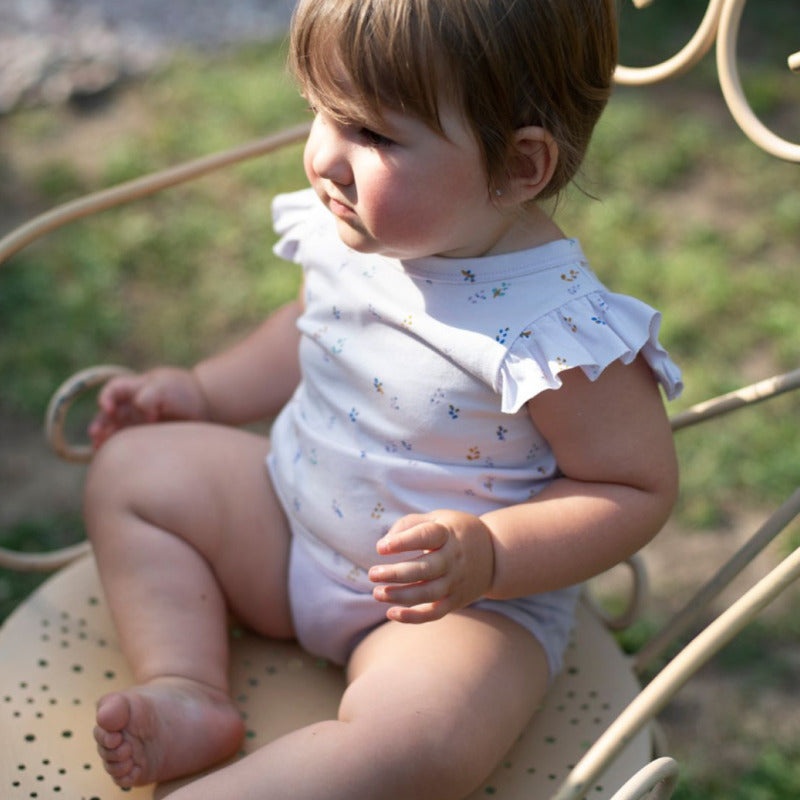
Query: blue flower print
469	275
353	415
501	433
502	335
453	411
378	385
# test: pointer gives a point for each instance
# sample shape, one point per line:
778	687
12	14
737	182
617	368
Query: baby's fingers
425	568
412	594
417	615
425	535
119	391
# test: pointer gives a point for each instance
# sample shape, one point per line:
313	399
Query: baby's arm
250	381
618	483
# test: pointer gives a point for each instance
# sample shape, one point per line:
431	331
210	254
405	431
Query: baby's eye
374	139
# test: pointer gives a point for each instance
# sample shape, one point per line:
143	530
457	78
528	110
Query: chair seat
59	653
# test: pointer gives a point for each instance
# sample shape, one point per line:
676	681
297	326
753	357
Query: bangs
357	60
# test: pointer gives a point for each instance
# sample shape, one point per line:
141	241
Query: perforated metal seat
59	653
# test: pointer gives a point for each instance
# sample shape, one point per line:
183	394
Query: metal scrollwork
720	24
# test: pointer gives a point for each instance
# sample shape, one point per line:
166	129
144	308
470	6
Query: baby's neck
526	230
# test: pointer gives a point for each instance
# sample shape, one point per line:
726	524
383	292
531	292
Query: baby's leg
185	525
430	711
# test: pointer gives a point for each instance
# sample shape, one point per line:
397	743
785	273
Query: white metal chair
594	737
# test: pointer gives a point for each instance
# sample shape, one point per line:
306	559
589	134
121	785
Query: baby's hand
166	393
455	568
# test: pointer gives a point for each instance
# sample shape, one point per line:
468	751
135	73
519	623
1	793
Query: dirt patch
33	482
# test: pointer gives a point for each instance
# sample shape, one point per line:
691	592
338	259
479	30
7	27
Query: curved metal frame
720	24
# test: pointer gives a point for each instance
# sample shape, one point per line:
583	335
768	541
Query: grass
692	217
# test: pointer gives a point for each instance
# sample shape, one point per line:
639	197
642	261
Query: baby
469	423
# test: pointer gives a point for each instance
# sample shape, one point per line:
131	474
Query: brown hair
506	63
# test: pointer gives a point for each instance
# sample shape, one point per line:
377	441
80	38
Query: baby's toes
122	753
118	769
108	740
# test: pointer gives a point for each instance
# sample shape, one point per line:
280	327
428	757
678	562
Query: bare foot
164	729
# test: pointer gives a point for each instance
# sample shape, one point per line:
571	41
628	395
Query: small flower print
336	313
489	484
526	334
469	275
394	402
453	412
570	324
500	291
477	297
409	320
337	509
377	512
533	452
406	446
353	415
599	321
312	456
501	433
338	347
502	335
437	397
570	276
378	385
473	454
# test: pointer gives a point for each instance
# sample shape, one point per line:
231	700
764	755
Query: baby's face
402	189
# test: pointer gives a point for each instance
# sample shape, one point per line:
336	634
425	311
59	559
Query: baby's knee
114	468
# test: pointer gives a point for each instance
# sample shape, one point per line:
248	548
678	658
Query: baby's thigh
449	698
209	486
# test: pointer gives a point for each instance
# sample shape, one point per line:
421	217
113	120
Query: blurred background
675	205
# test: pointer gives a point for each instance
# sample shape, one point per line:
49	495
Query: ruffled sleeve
590	332
291	214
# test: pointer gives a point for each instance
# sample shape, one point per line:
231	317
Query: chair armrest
674	675
658	777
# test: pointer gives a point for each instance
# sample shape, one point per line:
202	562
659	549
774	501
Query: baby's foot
164	729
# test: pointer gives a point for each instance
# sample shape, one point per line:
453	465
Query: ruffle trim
590	332
289	213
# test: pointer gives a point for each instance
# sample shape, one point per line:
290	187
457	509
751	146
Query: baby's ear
532	165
